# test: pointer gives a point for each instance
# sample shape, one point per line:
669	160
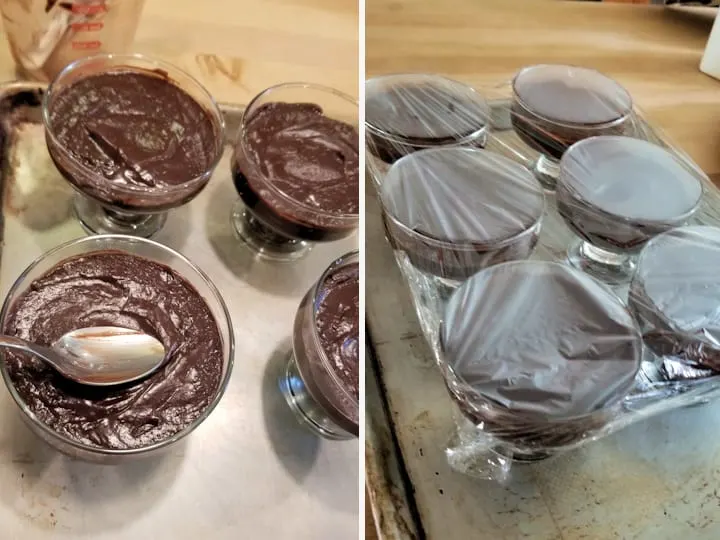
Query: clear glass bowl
126	209
617	193
269	221
313	391
499	202
409	112
155	252
552	136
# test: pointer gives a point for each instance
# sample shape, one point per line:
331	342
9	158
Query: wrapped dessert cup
88	422
321	381
450	212
555	106
538	356
405	113
616	193
628	200
296	169
675	297
135	137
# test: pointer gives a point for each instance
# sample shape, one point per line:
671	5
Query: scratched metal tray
250	470
656	480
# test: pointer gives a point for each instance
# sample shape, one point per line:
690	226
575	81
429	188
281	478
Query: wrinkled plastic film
538	352
454	211
675	297
621	192
412	112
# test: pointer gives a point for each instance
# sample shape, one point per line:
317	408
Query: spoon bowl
98	356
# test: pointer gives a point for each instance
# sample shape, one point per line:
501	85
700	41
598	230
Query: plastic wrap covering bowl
554	106
675	295
538	354
455	211
407	113
616	193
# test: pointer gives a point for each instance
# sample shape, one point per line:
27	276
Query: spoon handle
11	342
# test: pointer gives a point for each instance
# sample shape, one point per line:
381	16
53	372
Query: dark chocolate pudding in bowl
554	106
616	193
296	168
538	355
134	136
410	112
122	281
321	382
454	211
675	295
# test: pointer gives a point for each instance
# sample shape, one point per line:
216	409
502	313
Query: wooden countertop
239	47
653	51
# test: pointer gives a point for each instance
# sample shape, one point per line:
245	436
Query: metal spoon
99	356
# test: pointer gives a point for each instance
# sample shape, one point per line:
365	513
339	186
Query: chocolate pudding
404	114
326	345
555	106
132	139
455	211
618	192
675	295
297	170
538	352
338	320
113	288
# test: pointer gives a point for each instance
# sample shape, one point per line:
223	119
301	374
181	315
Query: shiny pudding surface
133	128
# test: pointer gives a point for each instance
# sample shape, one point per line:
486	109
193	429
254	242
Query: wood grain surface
237	48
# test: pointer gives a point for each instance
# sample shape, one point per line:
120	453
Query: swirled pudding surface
113	288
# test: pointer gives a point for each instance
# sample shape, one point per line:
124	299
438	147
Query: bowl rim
693	172
17	288
127	62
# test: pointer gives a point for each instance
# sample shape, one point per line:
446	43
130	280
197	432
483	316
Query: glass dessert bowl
135	137
454	211
537	355
675	296
405	113
296	169
554	106
117	280
321	381
616	193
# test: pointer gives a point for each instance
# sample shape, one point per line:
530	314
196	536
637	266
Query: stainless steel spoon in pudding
98	356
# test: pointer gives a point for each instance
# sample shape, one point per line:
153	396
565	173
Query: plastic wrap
675	297
615	195
455	211
538	352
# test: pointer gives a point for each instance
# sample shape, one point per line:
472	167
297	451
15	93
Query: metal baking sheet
656	480
250	470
